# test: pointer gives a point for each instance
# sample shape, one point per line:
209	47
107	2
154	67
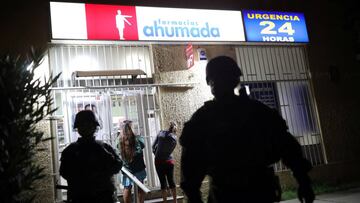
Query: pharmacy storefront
147	64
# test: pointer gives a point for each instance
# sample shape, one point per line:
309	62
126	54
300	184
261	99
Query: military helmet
85	116
222	68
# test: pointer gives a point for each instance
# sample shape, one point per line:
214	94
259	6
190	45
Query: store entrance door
111	107
99	103
139	106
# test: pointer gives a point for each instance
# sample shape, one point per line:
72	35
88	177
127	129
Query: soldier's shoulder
71	146
203	110
208	105
70	149
100	142
272	115
105	144
261	107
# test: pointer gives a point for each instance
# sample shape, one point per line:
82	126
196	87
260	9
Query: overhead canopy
98	73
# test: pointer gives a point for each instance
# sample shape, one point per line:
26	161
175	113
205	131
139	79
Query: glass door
99	103
111	107
137	105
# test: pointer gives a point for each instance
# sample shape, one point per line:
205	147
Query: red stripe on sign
108	22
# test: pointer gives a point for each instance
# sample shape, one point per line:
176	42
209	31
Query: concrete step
180	199
169	200
155	197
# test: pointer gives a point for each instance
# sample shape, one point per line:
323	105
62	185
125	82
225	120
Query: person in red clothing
163	146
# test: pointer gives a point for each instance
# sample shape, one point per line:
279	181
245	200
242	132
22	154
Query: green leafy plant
25	101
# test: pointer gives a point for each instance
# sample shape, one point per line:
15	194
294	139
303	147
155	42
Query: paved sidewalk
347	196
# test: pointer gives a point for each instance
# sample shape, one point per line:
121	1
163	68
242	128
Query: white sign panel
68	20
172	24
134	23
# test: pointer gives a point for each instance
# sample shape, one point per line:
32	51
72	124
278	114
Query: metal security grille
69	59
278	76
115	82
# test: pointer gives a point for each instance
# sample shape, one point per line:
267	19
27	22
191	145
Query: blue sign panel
263	26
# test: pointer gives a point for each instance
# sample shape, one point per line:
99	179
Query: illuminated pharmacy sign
172	24
112	22
137	23
262	26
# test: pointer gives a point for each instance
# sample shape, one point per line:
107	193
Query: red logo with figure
107	22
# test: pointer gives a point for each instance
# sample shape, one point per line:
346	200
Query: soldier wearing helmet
235	141
88	164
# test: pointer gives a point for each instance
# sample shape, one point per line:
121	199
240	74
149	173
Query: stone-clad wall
45	187
178	103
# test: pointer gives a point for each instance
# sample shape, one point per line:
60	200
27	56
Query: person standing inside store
88	165
235	141
163	146
131	151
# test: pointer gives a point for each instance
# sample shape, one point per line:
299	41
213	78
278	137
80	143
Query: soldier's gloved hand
306	193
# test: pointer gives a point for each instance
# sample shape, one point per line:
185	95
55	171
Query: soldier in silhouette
235	141
88	165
